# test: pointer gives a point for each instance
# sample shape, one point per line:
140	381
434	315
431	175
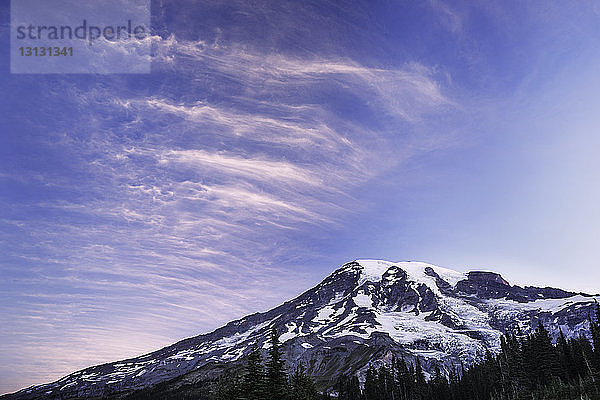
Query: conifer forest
530	366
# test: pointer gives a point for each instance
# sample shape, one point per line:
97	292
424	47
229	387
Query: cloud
248	168
449	17
407	93
180	207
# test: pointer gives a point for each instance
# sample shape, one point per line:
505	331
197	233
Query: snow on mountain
365	312
373	271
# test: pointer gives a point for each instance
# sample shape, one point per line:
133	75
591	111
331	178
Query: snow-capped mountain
365	312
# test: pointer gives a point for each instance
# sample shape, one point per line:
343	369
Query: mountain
365	312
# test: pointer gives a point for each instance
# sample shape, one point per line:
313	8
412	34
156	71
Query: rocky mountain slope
365	312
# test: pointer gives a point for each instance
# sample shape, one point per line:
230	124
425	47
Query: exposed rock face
490	285
366	311
485	285
484	277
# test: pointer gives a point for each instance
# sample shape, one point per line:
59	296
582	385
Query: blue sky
274	141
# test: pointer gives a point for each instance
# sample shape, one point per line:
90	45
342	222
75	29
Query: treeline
528	367
268	382
260	380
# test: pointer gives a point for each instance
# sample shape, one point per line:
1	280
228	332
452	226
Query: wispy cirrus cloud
242	167
406	92
176	209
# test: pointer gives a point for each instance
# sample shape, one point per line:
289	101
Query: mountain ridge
365	311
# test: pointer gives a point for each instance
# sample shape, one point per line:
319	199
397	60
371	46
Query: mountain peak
367	311
419	272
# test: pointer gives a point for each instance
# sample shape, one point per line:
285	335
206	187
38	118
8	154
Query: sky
274	141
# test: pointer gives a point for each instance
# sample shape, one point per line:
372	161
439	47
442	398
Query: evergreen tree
303	387
227	388
453	379
348	388
568	371
411	381
370	392
578	350
277	388
439	389
545	356
385	384
595	330
354	392
403	380
420	388
253	382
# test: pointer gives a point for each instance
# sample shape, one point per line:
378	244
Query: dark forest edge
528	367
